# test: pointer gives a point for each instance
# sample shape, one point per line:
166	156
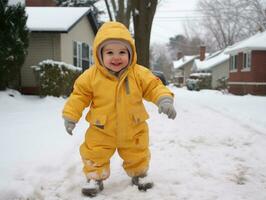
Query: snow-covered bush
55	78
198	81
222	83
192	84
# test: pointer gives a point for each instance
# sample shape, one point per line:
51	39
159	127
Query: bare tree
228	21
258	13
81	3
161	61
184	45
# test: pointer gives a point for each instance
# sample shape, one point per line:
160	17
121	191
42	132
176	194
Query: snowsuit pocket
139	117
97	120
138	124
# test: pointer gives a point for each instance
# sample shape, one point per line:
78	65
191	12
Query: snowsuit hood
113	31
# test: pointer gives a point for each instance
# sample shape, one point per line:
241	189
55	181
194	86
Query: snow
182	61
255	42
145	180
57	64
209	63
91	185
53	18
213	150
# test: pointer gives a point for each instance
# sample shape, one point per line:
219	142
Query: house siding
187	71
259	65
252	81
42	46
82	32
218	72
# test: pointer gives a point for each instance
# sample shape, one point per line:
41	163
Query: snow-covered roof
255	42
54	18
210	62
182	61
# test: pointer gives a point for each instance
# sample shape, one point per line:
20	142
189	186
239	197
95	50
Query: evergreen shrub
14	41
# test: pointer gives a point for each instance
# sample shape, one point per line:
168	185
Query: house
217	64
182	69
184	64
58	33
248	66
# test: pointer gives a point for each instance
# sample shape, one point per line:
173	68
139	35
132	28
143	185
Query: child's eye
123	52
109	52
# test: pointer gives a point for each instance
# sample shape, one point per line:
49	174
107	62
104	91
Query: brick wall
257	74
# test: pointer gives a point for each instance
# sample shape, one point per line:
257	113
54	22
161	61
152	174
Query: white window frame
233	63
91	57
246	61
78	54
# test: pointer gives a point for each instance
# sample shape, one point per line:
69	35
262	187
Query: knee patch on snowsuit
96	153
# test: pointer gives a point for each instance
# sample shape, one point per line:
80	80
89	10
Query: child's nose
116	56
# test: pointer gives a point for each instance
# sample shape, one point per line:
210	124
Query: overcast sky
170	17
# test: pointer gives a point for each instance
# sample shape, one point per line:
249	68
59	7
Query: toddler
114	89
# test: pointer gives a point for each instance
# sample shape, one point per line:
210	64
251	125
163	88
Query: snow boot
92	187
142	182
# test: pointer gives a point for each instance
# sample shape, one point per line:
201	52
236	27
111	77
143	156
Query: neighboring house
248	66
58	33
182	69
184	64
217	64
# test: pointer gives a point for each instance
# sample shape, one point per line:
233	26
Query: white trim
247	83
246	60
233	71
247	69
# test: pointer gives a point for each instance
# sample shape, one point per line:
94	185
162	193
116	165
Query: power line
180	10
177	17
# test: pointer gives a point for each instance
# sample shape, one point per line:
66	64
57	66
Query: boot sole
145	187
91	192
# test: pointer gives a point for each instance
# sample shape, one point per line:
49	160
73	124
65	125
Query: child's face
115	57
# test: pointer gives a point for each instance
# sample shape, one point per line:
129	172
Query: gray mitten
166	106
69	125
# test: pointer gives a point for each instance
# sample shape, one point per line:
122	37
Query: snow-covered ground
213	150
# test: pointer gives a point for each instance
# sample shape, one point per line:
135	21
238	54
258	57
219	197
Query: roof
211	61
255	42
182	61
54	19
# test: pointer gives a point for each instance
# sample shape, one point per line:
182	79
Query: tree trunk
143	13
108	9
122	14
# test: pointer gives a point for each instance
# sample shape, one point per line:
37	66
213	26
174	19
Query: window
82	55
233	63
246	60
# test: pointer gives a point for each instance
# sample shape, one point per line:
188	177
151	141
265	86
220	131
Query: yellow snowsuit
117	115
